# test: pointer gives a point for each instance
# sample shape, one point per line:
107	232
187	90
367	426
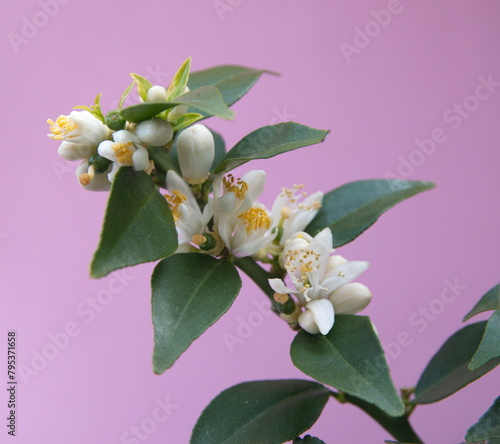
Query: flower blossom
321	282
124	150
244	225
80	133
189	219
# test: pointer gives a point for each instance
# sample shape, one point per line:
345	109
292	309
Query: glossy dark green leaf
488	426
232	81
190	292
489	347
308	439
448	371
206	99
269	141
351	359
490	301
270	412
138	226
349	210
398	426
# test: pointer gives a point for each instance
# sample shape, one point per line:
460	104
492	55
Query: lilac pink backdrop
383	82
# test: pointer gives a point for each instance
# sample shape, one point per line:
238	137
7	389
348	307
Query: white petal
344	274
176	182
124	136
335	261
105	149
112	173
140	159
350	298
322	241
256	180
322	313
279	286
155	132
75	151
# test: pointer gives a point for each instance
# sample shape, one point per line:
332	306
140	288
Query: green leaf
489	348
448	371
308	439
190	292
138	226
354	207
269	141
145	111
488	426
399	427
270	412
143	85
180	80
490	301
186	120
351	359
232	81
205	99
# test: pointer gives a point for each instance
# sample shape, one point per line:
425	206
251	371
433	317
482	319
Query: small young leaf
490	301
186	120
190	292
349	210
448	371
125	95
143	85
138	226
269	141
351	359
488	426
489	348
232	81
180	80
270	412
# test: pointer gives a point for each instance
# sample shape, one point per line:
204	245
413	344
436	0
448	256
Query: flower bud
318	317
156	94
196	151
75	151
350	298
155	132
335	261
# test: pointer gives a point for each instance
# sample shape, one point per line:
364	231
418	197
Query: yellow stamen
86	178
281	298
239	188
198	239
174	201
61	127
255	219
124	153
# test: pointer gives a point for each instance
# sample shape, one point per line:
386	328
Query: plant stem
399	427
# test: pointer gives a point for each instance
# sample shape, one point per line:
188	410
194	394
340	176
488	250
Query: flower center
255	219
174	201
124	153
303	260
238	187
61	127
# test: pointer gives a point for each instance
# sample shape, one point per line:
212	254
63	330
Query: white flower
90	180
189	219
196	151
155	132
80	133
317	276
125	150
293	212
243	224
156	94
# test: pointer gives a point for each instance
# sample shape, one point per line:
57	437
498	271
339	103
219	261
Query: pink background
396	89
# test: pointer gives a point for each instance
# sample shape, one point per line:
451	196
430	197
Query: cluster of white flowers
220	214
